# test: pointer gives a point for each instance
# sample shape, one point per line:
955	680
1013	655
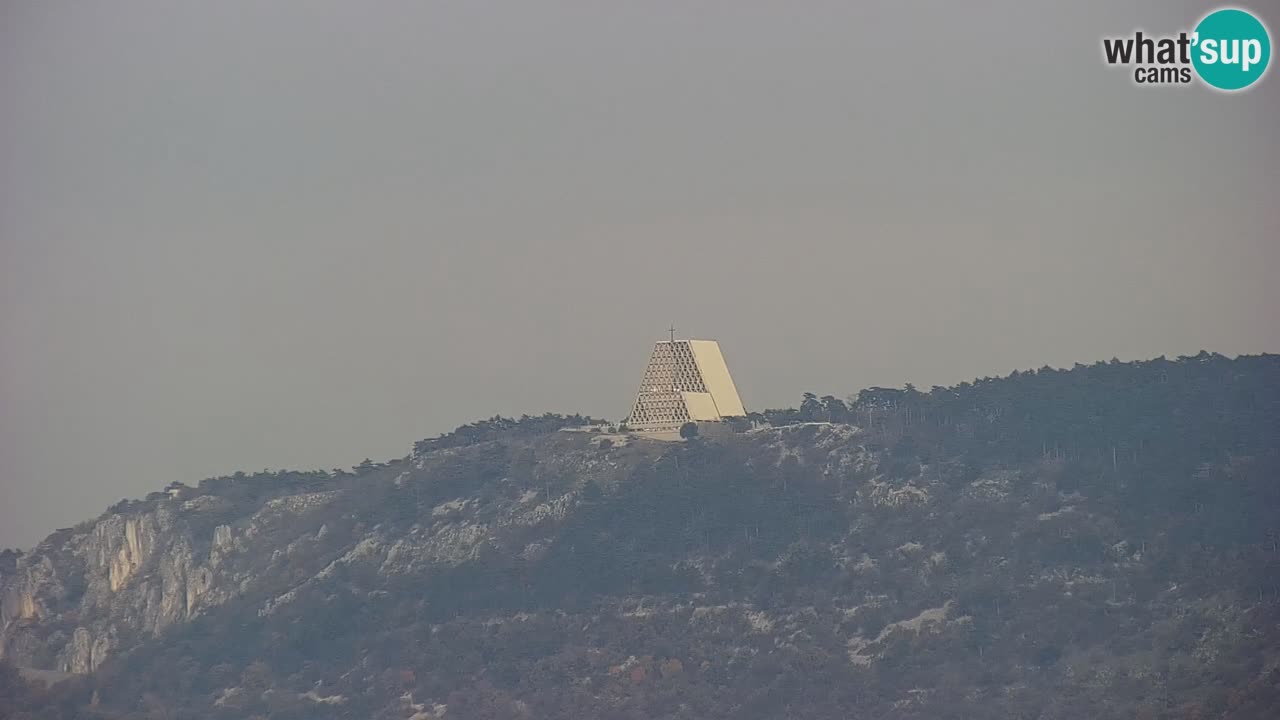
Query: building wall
715	375
685	380
700	406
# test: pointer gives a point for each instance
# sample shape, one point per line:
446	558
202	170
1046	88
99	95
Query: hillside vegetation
1101	542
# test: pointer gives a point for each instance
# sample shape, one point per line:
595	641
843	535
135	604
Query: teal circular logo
1231	49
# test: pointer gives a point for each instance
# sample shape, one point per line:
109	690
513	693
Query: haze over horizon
243	235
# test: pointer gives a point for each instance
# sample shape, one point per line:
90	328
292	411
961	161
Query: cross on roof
672	330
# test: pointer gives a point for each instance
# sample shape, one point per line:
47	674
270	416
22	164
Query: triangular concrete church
686	381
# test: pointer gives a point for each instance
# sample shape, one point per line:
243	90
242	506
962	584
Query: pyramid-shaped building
685	381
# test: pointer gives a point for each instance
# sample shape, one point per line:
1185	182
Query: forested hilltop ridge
1101	541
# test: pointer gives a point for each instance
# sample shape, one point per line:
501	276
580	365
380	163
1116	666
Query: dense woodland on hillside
1102	541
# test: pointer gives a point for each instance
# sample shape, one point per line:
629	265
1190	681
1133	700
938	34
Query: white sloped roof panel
700	406
715	375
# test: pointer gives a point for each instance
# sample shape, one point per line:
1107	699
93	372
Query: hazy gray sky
239	235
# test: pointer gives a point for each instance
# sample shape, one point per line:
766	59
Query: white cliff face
127	575
90	593
83	594
86	650
123	549
17	604
20	599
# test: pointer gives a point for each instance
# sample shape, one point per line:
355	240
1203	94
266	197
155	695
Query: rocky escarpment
1098	542
88	593
93	592
74	600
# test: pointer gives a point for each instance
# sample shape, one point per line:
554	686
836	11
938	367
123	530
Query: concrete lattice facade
685	381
